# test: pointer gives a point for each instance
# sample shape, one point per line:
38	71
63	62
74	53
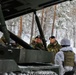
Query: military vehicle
11	59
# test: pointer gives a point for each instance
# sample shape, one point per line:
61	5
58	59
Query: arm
75	60
59	61
59	58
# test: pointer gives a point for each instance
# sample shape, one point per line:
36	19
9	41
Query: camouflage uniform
38	46
54	47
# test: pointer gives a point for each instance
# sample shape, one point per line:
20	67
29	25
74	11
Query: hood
66	49
65	41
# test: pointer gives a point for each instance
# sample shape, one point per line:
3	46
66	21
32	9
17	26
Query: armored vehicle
12	58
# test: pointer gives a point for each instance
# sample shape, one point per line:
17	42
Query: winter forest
61	16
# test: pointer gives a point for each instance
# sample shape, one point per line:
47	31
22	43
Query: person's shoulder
49	45
58	45
59	53
57	42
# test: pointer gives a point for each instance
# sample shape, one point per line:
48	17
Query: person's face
52	40
38	40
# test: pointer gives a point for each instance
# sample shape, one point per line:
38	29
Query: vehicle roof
15	8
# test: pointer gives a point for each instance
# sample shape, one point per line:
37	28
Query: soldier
54	45
37	43
65	58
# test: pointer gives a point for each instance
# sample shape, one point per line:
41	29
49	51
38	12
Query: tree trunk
32	27
44	27
56	32
74	34
42	18
20	28
52	32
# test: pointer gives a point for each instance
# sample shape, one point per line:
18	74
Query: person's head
65	42
52	39
38	39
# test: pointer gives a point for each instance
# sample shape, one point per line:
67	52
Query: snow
65	23
33	73
26	38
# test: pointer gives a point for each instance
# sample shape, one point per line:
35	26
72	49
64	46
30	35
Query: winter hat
52	37
65	42
38	37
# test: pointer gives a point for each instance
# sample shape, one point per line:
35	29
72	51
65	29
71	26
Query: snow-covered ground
33	73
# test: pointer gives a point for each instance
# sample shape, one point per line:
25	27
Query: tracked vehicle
26	59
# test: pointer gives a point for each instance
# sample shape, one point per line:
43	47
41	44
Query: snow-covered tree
65	23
